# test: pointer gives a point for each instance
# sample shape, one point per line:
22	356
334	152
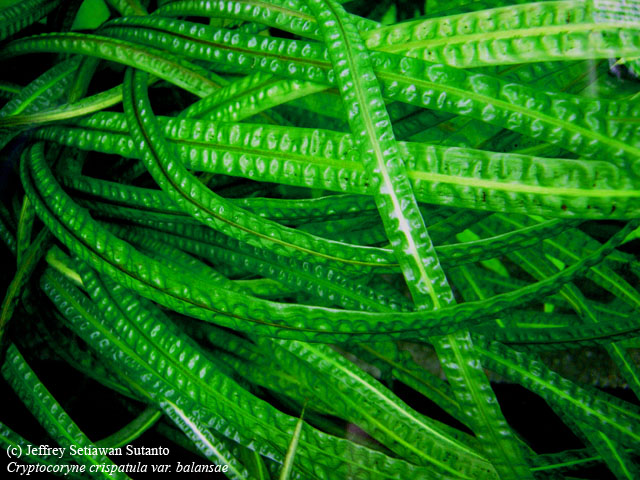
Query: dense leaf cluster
234	215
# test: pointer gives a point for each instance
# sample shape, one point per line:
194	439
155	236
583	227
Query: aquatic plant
243	221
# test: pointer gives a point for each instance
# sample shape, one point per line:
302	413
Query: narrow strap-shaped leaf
326	104
82	78
509	35
88	363
31	257
320	281
115	258
347	230
226	398
248	97
8	238
619	425
44	90
82	107
482	249
132	430
217	101
450	176
49	412
331	284
176	259
121	194
210	208
606	277
210	446
8	218
335	227
66	299
167	67
379	154
9	89
541	267
415	376
570	245
566	461
289	458
404	225
556	118
265	288
203	439
445	228
255	464
25	224
284	210
474	133
286	386
560	337
40	94
128	7
385	416
21	14
472	389
291	16
10	439
617	459
176	436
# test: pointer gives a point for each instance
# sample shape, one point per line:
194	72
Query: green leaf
556	118
371	129
132	430
10	439
15	16
617	459
619	424
51	415
205	441
287	466
168	67
322	159
200	380
91	14
378	411
128	7
30	258
533	32
118	260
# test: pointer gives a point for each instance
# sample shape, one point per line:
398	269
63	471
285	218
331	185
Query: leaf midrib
413	174
560	393
425	84
518	34
189	199
393	405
